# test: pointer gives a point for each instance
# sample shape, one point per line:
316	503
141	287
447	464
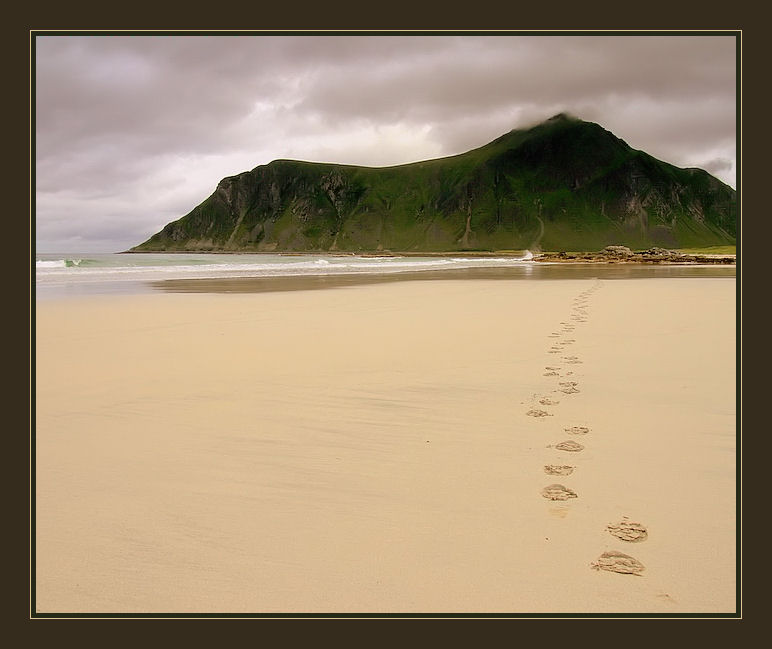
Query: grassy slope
572	176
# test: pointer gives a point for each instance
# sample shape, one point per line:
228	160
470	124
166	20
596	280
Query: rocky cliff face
563	185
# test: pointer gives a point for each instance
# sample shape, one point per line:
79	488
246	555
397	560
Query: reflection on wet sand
527	271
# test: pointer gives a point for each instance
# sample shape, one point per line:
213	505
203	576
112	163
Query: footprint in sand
558	469
546	401
558	492
628	531
551	374
577	430
550	367
539	413
614	561
568	387
571	360
568	445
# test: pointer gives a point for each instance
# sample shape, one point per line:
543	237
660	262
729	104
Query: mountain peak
562	117
562	184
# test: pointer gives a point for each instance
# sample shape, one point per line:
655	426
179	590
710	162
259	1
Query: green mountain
565	184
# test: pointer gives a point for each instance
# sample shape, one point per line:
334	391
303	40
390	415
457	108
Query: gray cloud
132	132
718	165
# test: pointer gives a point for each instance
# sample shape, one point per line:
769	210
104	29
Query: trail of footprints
624	530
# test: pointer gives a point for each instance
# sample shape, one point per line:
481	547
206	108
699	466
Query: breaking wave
55	270
58	263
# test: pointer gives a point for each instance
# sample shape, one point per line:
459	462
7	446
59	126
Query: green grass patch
709	250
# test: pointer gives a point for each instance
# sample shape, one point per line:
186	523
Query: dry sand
367	448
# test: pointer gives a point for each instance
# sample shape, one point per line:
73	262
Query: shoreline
552	272
68	285
575	257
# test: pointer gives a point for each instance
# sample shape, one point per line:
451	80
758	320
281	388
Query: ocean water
62	275
74	274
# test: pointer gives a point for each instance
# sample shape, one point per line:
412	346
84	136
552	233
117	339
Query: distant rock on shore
623	254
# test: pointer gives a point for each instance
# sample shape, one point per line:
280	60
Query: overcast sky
133	132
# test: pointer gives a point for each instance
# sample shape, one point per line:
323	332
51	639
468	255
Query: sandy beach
368	448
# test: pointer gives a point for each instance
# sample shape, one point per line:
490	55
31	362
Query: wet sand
546	271
368	448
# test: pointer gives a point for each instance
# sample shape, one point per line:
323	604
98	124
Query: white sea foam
70	270
57	263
